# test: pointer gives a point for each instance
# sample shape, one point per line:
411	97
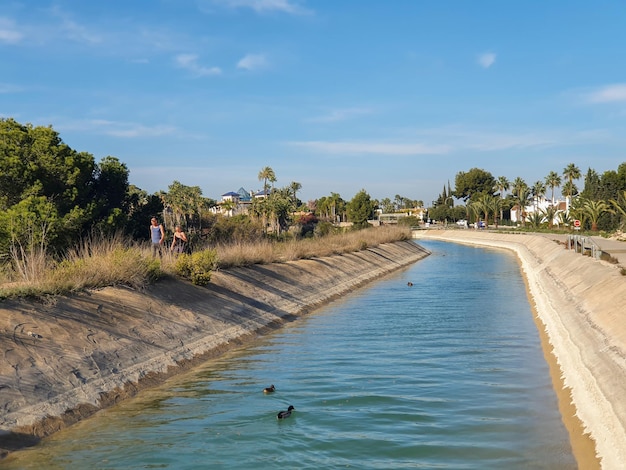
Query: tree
538	190
330	207
472	182
571	172
295	187
387	206
183	202
265	175
521	197
549	213
111	188
495	205
553	180
502	185
594	210
360	209
619	206
35	163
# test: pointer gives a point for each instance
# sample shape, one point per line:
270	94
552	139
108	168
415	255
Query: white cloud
262	6
190	62
117	128
377	148
454	140
336	115
487	59
252	62
608	94
8	32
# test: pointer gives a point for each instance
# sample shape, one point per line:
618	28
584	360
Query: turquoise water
448	373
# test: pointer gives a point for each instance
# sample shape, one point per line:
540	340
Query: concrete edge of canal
580	302
74	355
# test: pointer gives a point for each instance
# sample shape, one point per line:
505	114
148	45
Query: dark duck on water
285	414
269	389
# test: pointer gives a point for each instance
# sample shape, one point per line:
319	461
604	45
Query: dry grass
266	252
101	261
94	263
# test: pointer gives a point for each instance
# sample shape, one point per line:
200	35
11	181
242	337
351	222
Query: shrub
196	267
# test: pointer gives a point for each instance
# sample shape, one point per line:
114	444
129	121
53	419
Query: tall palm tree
538	190
502	185
295	187
495	205
571	172
521	194
553	180
265	175
522	197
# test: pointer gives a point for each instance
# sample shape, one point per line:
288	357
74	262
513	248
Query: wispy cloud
375	148
117	128
8	31
10	88
293	7
487	59
190	62
337	115
74	30
608	94
253	62
449	140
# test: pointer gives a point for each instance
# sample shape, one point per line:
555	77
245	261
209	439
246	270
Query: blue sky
394	97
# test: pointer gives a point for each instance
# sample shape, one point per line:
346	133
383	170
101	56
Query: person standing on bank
179	242
157	236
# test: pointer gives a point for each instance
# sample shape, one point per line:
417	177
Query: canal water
446	373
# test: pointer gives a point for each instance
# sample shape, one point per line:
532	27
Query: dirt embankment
64	359
581	302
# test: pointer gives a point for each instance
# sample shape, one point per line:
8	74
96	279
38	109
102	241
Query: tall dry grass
95	262
266	252
105	261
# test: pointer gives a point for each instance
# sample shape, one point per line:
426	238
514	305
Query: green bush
197	267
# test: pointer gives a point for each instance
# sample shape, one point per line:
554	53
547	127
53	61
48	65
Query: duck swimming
410	284
269	389
285	414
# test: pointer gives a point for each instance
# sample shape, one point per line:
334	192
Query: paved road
615	248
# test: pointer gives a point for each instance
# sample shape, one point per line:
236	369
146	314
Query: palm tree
295	187
265	175
538	190
521	196
564	218
571	172
502	185
553	180
495	205
594	210
549	213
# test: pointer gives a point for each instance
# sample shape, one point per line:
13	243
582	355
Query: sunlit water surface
448	373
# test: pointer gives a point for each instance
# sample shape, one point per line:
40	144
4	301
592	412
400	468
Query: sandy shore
66	358
581	303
